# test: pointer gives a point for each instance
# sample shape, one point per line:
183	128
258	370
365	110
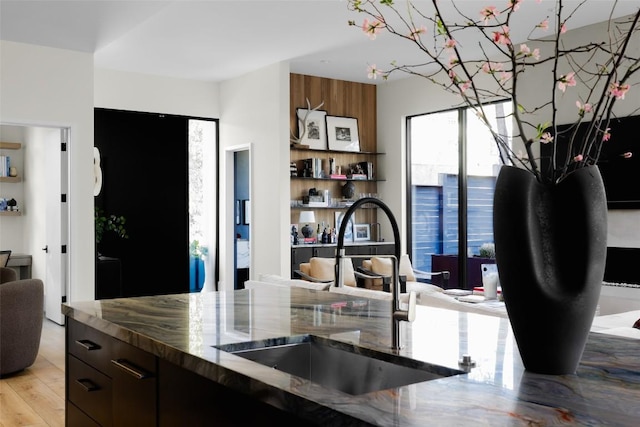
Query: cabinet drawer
75	417
90	346
90	390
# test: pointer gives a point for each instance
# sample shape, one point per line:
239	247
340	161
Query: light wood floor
35	396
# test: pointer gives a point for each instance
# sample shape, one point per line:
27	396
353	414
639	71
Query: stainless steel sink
333	364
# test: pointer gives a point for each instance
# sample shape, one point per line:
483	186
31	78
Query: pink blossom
586	108
563	28
373	72
514	4
546	138
618	90
627	155
450	43
489	12
544	25
466	85
491	67
502	37
606	135
566	80
371	28
526	51
504	76
417	32
578	158
453	60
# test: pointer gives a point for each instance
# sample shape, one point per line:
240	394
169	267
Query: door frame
64	267
227	236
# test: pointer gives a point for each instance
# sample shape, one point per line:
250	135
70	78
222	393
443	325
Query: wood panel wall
341	98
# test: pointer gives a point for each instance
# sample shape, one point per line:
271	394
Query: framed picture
342	133
348	233
314	126
361	232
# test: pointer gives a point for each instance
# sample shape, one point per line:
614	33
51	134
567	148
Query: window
453	162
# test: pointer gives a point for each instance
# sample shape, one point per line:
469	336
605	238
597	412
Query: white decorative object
97	172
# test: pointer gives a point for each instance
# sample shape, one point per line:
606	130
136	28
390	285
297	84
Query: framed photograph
342	133
348	233
246	214
314	126
361	232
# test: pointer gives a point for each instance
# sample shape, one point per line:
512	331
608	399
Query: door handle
46	249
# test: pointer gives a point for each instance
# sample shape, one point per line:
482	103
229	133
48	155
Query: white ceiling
217	40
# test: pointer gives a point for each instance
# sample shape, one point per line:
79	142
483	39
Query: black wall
144	159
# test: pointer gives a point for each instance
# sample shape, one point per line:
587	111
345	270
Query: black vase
551	243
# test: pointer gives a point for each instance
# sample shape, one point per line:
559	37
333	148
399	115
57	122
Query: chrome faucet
397	315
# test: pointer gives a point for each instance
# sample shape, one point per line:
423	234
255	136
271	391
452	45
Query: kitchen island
192	381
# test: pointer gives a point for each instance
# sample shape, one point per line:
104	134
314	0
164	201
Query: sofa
618	324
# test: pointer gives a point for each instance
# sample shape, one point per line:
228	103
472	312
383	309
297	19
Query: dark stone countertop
184	328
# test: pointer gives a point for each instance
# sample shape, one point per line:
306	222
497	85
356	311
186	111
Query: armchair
7	275
21	317
382	268
322	270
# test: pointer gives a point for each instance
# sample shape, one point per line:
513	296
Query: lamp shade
307	217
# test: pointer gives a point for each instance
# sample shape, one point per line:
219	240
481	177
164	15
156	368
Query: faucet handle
411	311
408	315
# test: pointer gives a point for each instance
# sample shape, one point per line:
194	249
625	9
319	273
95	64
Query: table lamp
307	217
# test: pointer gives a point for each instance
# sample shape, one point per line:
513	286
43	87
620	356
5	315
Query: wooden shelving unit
10	179
344	99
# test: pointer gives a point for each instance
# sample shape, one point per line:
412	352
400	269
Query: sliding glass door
453	163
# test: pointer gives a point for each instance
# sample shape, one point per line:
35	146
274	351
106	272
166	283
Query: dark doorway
144	160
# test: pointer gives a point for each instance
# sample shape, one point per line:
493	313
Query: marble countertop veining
184	329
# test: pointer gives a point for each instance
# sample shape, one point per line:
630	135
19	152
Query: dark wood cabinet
108	382
188	399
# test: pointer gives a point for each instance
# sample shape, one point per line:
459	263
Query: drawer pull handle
87	384
131	369
88	345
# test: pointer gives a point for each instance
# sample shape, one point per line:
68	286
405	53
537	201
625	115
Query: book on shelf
338	176
357	176
313	167
309	240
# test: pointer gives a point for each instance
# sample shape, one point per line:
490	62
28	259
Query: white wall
255	111
53	87
120	90
411	96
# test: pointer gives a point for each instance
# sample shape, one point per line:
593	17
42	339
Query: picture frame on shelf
362	232
348	233
313	124
342	133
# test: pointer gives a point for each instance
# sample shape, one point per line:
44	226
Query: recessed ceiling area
219	40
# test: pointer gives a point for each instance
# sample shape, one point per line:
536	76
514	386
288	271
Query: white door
56	223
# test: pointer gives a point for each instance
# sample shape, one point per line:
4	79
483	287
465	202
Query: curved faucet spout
397	315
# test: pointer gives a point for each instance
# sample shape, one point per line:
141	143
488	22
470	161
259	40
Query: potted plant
487	250
108	223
